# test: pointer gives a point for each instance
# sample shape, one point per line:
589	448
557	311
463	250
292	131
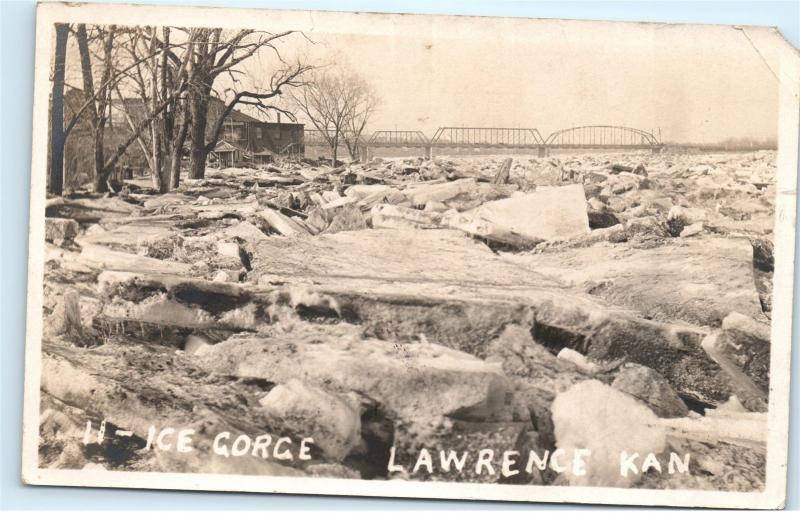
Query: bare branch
287	78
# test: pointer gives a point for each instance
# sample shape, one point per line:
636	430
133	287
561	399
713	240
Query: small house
228	154
262	157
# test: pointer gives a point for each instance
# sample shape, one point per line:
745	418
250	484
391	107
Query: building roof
298	125
235	115
135	105
224	145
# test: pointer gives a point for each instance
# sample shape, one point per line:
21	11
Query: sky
684	83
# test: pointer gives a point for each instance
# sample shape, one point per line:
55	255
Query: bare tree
177	119
324	104
338	105
363	102
174	83
97	105
168	75
98	99
162	183
112	83
161	75
218	53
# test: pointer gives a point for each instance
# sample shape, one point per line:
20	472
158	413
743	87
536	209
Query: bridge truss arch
608	137
398	139
498	137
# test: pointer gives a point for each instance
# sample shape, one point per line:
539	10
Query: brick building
246	138
254	136
250	136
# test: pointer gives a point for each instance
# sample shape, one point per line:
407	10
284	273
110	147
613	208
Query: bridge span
488	139
602	137
516	139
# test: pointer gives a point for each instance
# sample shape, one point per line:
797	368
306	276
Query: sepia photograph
411	255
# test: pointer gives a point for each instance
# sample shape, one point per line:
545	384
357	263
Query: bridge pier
543	152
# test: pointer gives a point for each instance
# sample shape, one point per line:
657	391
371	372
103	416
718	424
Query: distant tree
324	104
338	104
363	102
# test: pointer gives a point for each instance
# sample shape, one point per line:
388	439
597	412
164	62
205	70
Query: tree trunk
89	96
177	150
57	136
158	167
100	179
349	147
86	73
167	126
198	109
197	163
159	181
175	169
334	146
97	112
100	175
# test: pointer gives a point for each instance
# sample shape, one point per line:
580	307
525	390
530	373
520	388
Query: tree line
163	80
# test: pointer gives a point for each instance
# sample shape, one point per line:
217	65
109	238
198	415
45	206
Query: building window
235	131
